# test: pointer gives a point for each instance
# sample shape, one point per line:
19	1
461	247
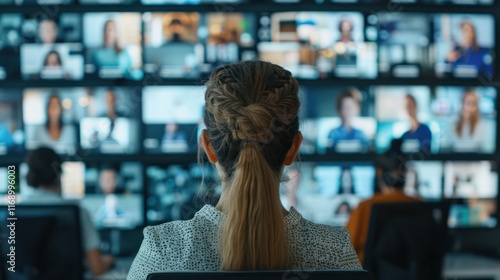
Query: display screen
403	45
52	47
338	120
448	120
11	127
110	192
101	120
113	45
474	188
11	38
175	192
173	118
464	45
315	45
200	42
327	193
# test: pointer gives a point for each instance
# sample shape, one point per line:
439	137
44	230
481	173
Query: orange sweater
359	220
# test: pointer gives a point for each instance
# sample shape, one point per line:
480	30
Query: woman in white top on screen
469	131
54	133
252	132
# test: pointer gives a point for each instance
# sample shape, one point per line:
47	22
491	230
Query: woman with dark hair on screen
54	133
251	115
346	181
345	29
44	179
468	53
112	55
52	67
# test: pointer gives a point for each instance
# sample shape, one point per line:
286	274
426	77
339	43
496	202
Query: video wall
120	96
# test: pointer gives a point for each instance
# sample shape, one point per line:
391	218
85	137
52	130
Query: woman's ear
294	149
207	146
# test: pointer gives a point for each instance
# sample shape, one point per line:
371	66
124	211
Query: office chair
407	241
265	275
47	242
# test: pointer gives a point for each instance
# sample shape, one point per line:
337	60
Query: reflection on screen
338	120
404	41
464	45
173	117
11	130
200	42
474	188
316	45
175	192
113	42
327	193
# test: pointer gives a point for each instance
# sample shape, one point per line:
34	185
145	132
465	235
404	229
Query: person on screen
251	115
44	177
176	29
53	61
348	106
469	130
110	214
112	111
47	31
345	29
346	182
418	130
55	134
391	168
469	53
172	133
108	180
111	55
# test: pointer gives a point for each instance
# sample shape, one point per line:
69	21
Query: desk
456	266
470	266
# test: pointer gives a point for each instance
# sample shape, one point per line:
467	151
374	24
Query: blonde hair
251	118
474	119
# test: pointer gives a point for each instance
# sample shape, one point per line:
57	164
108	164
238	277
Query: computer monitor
113	45
450	119
403	45
200	41
337	119
111	192
406	240
464	45
10	41
316	45
176	192
424	179
11	126
326	193
472	187
173	118
48	243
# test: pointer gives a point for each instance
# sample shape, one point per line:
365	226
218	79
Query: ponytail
253	236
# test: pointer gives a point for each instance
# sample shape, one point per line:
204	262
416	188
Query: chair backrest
266	275
48	242
407	240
